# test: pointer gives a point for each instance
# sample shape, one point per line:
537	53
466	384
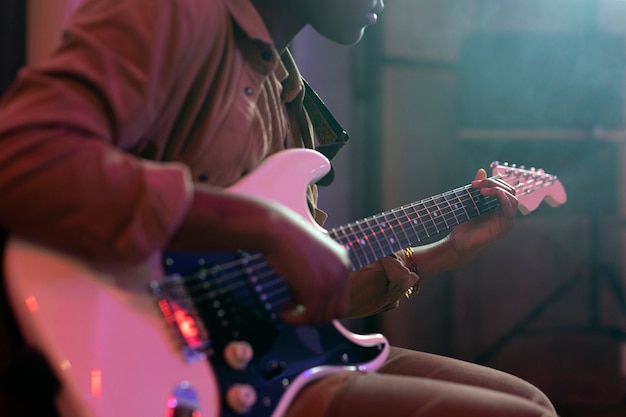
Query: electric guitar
197	334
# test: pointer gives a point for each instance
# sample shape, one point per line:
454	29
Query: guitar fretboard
375	237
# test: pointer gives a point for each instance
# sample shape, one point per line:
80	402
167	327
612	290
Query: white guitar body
109	344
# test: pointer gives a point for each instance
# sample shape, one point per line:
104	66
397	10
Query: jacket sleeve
68	129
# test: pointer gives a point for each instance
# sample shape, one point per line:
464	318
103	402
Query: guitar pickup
181	317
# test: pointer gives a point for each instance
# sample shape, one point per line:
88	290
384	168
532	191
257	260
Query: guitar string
263	270
443	220
348	236
239	263
427	204
253	267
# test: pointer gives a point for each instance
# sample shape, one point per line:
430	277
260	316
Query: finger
508	187
481	174
508	203
493	183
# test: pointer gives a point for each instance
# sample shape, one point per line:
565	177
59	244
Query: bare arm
314	266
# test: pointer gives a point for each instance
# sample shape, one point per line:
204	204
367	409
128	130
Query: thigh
414	363
446	388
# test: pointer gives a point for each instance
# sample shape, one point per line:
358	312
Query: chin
346	38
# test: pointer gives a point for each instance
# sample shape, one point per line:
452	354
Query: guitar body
114	351
109	345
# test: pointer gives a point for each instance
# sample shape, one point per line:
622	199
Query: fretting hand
470	238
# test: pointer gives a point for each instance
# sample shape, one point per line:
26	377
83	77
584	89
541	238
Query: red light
186	324
96	383
166	310
187	327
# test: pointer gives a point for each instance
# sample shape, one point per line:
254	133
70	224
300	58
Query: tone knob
238	355
241	398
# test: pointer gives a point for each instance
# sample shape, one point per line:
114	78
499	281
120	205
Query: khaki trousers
417	384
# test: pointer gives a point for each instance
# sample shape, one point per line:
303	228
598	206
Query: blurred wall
443	87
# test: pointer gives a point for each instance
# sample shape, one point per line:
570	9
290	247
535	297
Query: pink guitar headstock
532	186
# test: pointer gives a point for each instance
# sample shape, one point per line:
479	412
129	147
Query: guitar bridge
181	317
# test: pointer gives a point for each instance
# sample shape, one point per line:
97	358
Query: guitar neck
378	236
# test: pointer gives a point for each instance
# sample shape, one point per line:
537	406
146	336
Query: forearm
219	220
436	258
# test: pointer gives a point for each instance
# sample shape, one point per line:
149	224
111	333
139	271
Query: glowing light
167	311
171	402
31	303
176	315
96	383
186	324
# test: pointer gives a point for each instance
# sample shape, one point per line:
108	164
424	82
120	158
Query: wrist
412	266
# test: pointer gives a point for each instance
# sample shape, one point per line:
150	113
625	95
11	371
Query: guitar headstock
532	186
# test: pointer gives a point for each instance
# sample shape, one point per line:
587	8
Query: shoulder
189	16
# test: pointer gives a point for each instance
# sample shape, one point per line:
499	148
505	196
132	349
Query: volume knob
241	398
238	355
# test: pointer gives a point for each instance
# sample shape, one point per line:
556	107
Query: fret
419	209
475	211
389	228
483	203
418	225
364	245
410	230
345	237
461	205
378	249
400	223
388	238
438	214
428	204
357	249
451	207
444	209
340	236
